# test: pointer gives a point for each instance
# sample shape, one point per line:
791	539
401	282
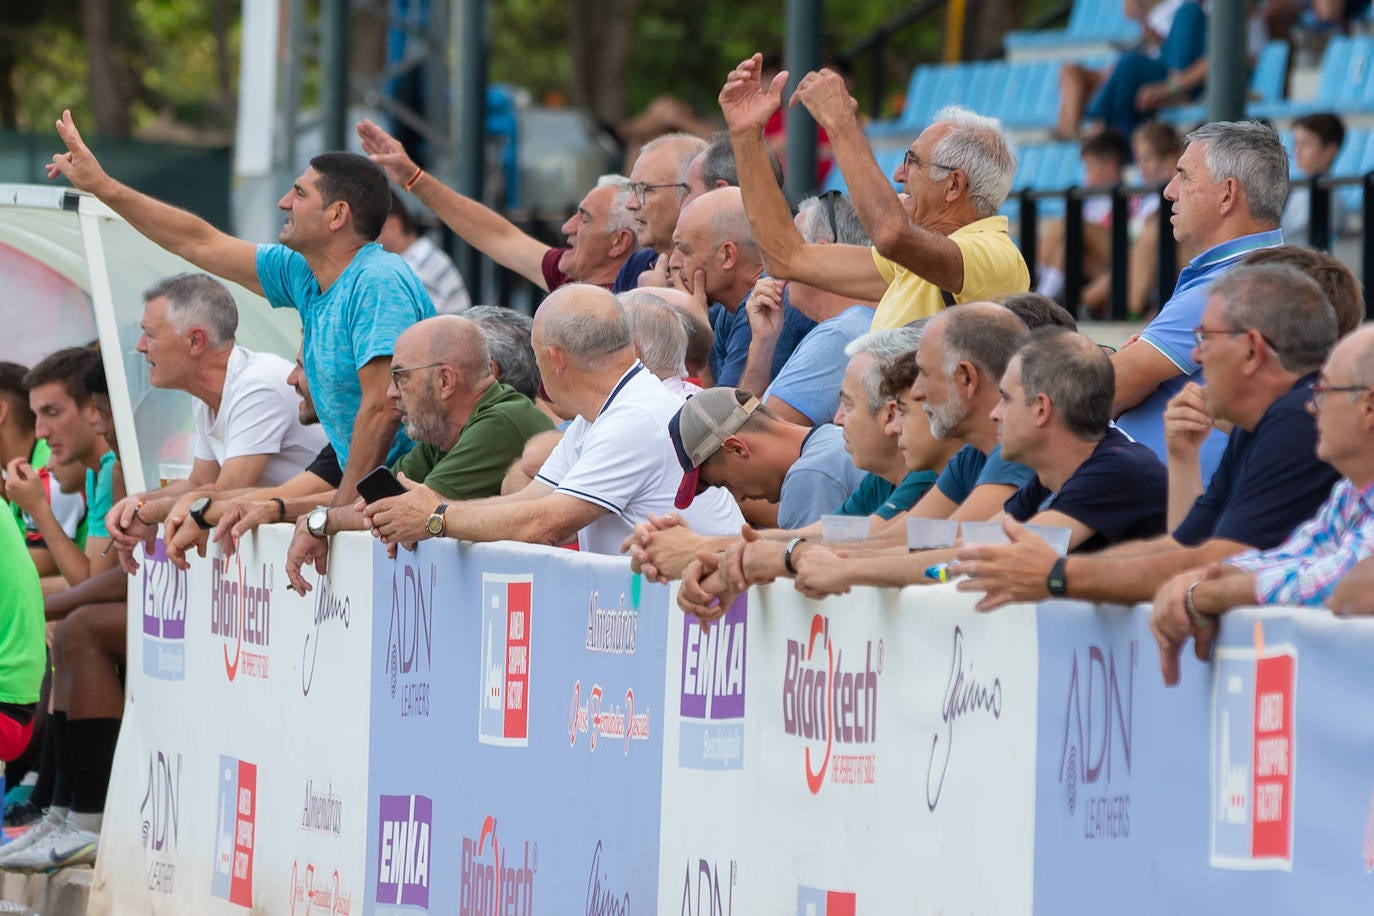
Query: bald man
614	467
468	426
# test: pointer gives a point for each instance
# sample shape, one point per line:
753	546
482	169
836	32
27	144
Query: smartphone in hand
379	483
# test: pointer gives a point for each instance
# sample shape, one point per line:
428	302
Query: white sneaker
30	837
65	845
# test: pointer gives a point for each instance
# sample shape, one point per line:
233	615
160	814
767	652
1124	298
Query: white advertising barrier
884	757
241	774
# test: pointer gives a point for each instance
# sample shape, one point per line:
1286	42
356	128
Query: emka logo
329	608
617	722
712	707
163	595
160	813
403	850
235	826
323	810
965	695
825	704
504	714
612	630
241	615
1254	754
318	892
707	888
491	880
602	898
813	901
1095	751
409	637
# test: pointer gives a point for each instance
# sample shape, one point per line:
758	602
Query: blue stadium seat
1266	88
1346	82
1091	22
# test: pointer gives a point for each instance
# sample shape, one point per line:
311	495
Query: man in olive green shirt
469	427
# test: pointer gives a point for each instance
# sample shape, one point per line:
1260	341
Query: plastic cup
984	533
1057	537
930	533
839	529
170	471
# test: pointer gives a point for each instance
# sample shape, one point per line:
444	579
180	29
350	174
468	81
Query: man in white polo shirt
615	465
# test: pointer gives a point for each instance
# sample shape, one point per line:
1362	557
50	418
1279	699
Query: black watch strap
1055	582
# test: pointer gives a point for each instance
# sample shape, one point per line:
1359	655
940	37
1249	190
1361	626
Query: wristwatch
197	513
317	521
435	523
1055	583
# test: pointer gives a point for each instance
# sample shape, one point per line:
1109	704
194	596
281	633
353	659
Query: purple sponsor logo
708	889
712	701
163	597
403	850
409	637
602	900
1098	711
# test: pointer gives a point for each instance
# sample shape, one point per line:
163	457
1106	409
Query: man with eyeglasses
658	191
1305	569
939	243
1270	478
467	426
600	235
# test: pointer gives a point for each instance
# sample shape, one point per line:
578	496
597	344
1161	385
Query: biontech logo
504	716
491	880
403	847
824	704
712	706
241	615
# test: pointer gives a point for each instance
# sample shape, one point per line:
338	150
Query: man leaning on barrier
1269	480
1304	569
613	467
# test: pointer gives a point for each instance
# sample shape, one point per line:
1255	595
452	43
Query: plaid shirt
1304	569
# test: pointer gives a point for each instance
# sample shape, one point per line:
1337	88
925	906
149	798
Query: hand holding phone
379	483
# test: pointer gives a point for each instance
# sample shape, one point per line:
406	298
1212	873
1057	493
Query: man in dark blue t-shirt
1269	480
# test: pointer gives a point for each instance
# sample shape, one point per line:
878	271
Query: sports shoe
34	834
64	845
22	814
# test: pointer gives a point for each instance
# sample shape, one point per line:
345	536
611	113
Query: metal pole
1367	244
1226	83
335	89
1073	250
467	52
1121	255
802	54
1030	232
1319	214
1167	275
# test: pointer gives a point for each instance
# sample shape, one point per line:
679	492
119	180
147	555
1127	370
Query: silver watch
317	521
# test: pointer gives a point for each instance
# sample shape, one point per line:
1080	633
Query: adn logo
163	598
1097	732
318	892
403	850
825	705
1253	756
707	889
491	880
235	825
602	900
409	637
605	720
504	714
160	813
712	708
241	615
813	901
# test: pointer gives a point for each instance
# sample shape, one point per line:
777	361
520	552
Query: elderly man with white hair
941	243
659	332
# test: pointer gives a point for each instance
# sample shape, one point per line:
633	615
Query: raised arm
373	431
843	269
183	234
478	225
923	252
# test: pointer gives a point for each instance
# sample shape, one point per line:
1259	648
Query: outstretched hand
386	151
78	164
746	103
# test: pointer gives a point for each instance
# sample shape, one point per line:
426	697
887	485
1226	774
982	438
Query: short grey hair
978	146
583	335
1075	374
688	146
1251	153
1286	306
886	347
618	218
658	333
507	333
198	300
814	222
718	162
985	337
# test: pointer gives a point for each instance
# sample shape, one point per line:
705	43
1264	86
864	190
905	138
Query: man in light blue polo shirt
1227	193
354	298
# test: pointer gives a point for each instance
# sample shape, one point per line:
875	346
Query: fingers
1203	642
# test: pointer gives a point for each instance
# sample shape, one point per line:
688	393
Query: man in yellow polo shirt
939	243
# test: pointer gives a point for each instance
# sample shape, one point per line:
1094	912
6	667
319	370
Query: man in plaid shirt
1305	569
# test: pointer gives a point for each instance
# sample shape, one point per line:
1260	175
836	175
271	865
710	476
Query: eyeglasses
1319	392
828	198
641	190
912	161
398	371
1200	334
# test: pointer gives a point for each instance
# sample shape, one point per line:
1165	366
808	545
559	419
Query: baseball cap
700	428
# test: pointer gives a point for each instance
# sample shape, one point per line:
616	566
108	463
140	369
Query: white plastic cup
173	471
1057	537
840	529
930	533
984	533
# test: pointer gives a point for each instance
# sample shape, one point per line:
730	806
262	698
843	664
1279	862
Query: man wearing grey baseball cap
725	437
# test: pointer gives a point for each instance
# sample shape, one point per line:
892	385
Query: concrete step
63	893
